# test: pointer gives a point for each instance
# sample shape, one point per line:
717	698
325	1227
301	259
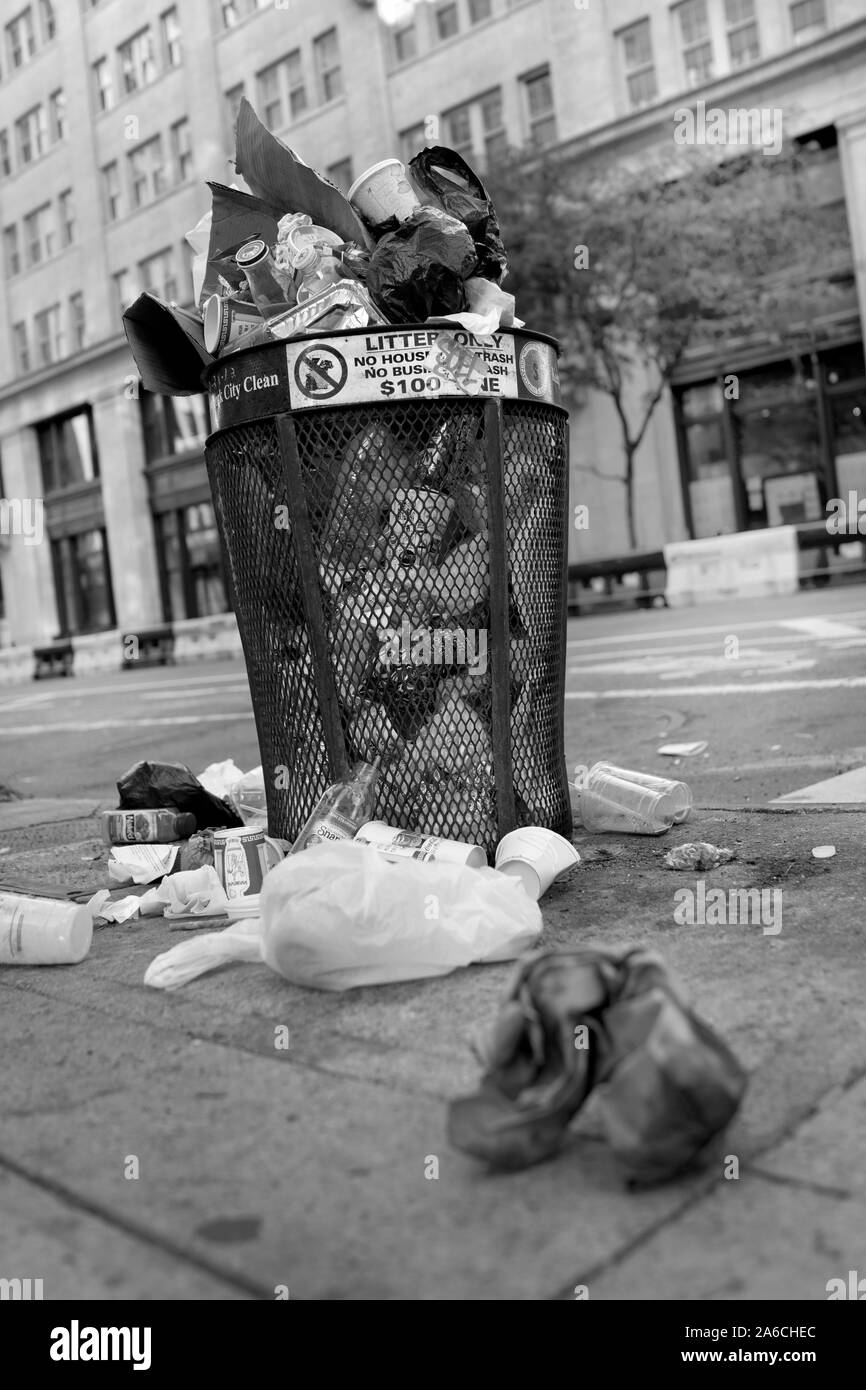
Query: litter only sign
419	364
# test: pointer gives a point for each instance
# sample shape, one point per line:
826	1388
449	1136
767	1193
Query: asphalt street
775	687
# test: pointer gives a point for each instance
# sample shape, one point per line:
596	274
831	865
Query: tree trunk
629	494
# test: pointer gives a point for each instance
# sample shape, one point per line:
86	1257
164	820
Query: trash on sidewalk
219	778
823	852
395	844
698	854
342	809
611	798
683	750
148	784
44	931
345	917
242	858
155	826
140	863
535	857
612	1023
198	891
120	909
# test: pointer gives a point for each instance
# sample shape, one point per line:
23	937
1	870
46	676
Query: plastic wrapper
149	784
345	917
489	308
443	177
417	271
219	778
666	1084
697	856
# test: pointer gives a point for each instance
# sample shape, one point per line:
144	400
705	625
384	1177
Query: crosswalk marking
846	788
821	627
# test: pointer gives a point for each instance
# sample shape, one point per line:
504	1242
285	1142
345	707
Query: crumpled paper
697	855
140	863
121	909
196	890
490	308
591	1019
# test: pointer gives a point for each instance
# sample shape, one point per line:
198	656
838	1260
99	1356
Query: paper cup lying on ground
535	856
382	192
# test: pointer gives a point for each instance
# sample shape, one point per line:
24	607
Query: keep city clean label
382	365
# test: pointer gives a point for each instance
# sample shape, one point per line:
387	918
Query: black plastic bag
417	272
148	785
444	177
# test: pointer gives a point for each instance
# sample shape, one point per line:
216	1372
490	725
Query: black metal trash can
392	506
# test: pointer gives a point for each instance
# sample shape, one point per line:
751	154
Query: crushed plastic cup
635	803
536	856
383	192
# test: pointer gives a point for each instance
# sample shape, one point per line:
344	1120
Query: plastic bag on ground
220	778
583	1019
340	915
148	784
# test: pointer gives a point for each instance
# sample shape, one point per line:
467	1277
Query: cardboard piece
167	343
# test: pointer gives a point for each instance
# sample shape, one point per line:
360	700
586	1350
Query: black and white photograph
432	667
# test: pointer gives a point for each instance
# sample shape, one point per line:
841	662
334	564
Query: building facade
113	113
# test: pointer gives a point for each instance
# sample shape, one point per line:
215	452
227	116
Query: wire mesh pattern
398	503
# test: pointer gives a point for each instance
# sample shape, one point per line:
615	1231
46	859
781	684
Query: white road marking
83	726
821	627
733	627
847	787
747	688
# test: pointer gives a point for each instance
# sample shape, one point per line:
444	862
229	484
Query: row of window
47	230
55	332
139	61
25	34
149	172
693	20
448	19
477	129
34	134
283	88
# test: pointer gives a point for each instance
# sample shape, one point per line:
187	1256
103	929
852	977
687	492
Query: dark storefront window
67	450
193	584
173	424
82	579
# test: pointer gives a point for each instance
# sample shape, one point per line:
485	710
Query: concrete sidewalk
161	1146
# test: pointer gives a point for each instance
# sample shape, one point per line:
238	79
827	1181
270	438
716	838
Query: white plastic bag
219	778
340	915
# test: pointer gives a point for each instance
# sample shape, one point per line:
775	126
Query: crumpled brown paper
697	855
589	1018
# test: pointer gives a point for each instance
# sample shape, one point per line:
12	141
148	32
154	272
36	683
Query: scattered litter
611	798
199	891
698	855
43	931
344	916
152	826
140	863
587	1018
147	784
121	909
823	851
683	750
535	857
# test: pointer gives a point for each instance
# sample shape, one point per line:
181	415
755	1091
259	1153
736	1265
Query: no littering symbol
320	372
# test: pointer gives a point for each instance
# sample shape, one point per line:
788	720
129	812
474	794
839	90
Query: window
193	584
124	289
341	174
458	128
405	43
181	150
21	38
493	125
111	191
280	90
147	172
22	347
77	328
695	35
171	38
173	424
479	10
637	59
743	44
326	52
47	20
233	99
66	203
539	104
808	19
57	109
82	583
447	22
137	61
412	140
5	156
236	10
11	252
48	332
158	275
31	134
67	451
40	236
103	84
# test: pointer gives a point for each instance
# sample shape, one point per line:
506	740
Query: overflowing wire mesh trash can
392	508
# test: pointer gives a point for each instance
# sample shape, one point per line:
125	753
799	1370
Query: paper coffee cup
226	320
242	858
382	192
536	856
